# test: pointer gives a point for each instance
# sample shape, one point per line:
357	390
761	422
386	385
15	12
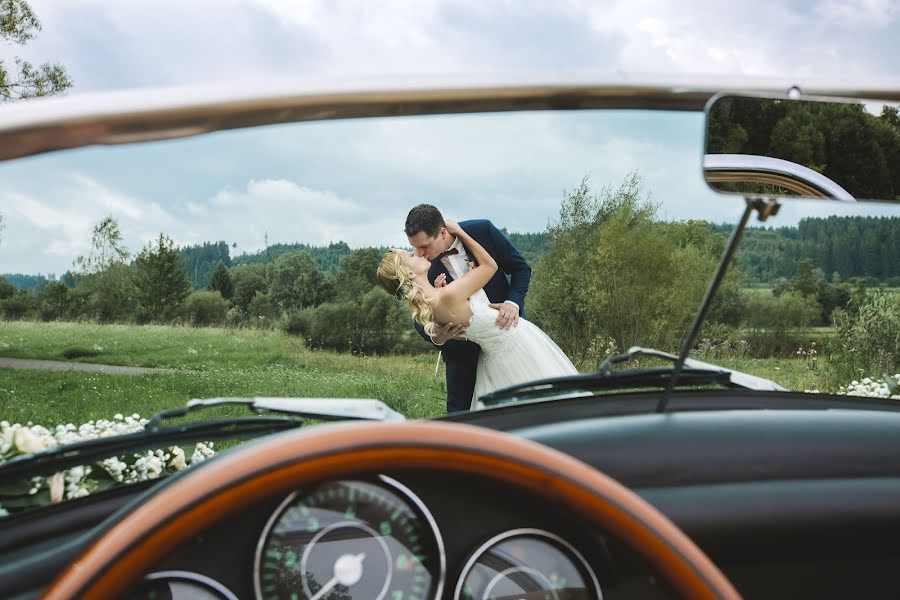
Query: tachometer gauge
350	540
527	563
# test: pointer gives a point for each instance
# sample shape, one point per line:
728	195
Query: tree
248	280
613	272
107	248
220	281
7	290
107	296
295	281
104	283
161	278
54	301
19	25
357	273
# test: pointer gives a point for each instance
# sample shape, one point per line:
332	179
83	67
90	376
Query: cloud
355	180
50	221
120	44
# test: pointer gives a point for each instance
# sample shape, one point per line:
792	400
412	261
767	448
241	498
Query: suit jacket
510	282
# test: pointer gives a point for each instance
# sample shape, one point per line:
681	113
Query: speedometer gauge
350	540
527	563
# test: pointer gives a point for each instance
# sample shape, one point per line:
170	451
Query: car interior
714	488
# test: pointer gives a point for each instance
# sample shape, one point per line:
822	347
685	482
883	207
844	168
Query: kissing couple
466	285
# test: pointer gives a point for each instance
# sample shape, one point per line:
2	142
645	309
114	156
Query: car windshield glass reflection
252	263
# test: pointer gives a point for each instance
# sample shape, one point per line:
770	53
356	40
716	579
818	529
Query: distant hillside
842	247
27	282
328	258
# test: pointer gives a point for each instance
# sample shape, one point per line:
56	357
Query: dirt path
59	365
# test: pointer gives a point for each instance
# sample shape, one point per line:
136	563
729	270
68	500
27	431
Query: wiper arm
695	373
324	409
156	434
738	378
655	377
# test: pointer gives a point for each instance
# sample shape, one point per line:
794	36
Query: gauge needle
347	571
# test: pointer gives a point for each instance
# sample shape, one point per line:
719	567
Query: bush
375	324
775	323
235	317
15	307
54	301
262	311
868	337
297	322
613	271
205	308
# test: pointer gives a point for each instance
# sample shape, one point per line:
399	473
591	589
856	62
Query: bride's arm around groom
506	289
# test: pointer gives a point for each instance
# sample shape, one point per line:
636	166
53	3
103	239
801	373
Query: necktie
449	252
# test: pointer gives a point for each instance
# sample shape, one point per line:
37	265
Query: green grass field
214	362
211	363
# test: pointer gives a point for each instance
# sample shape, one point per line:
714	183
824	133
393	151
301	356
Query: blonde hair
395	278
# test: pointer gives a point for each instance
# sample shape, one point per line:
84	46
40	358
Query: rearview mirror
839	149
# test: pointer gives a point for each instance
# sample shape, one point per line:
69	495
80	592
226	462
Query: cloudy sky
355	180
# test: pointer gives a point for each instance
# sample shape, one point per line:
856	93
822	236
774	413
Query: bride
508	356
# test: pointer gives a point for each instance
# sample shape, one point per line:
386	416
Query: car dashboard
405	535
790	495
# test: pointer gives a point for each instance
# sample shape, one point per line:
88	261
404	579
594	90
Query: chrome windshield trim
141	115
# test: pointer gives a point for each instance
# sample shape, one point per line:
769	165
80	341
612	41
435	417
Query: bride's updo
394	278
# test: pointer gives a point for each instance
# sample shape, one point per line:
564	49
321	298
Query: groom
427	233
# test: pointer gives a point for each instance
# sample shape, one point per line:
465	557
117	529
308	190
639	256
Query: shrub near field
210	362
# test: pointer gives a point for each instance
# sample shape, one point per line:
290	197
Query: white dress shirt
457	267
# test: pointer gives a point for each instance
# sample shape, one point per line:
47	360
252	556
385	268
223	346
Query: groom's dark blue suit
510	282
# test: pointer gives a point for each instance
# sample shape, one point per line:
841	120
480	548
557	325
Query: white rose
177	461
27	442
7	436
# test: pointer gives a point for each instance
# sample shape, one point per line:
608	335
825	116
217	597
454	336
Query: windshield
243	264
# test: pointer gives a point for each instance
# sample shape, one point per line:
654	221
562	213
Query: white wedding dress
511	356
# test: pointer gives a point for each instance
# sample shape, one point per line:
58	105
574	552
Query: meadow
221	362
210	363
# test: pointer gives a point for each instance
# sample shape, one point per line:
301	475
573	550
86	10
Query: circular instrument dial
527	564
349	540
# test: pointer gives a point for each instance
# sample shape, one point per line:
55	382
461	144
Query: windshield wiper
737	378
695	373
156	434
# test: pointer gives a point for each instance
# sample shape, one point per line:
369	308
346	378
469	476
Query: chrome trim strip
45	125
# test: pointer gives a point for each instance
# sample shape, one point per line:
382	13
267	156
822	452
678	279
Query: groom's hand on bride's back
507	316
448	331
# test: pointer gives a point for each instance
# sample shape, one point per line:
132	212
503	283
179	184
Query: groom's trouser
461	359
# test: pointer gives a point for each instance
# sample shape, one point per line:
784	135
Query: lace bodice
483	330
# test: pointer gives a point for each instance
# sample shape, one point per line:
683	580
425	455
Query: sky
355	180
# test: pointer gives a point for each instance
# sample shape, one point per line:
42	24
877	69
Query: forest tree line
843	248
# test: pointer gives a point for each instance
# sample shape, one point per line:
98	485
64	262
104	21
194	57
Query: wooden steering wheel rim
277	465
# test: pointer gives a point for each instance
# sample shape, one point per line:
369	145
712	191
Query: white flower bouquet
17	440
